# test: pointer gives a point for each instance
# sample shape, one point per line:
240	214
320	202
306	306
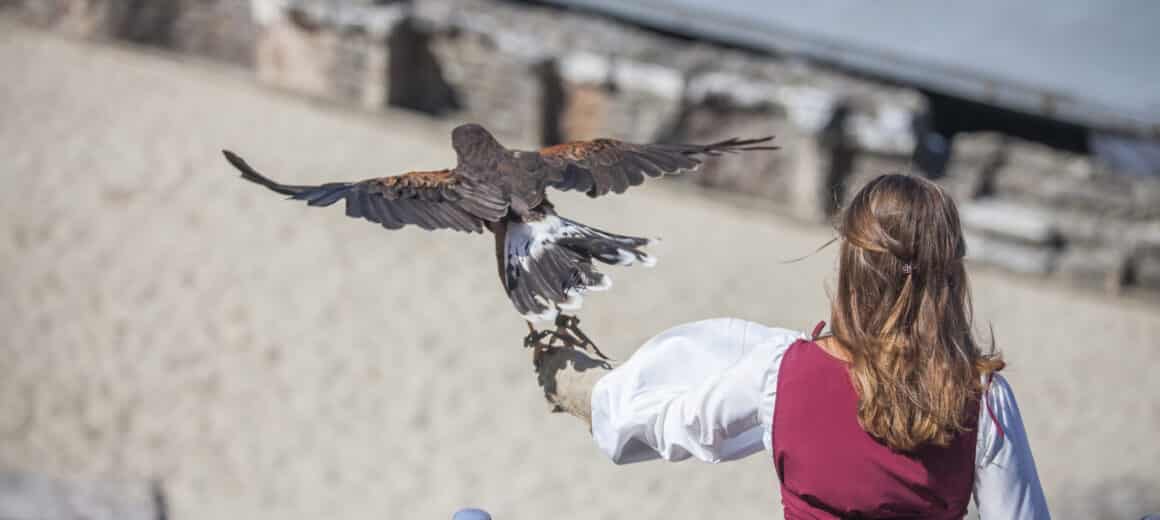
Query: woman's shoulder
998	387
999	417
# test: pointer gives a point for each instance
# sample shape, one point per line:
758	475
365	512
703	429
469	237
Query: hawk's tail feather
731	145
549	265
606	247
323	195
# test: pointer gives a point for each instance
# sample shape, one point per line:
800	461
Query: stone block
1144	267
1009	221
883	122
220	29
105	18
974	160
500	90
768	175
1144	234
1104	267
540	32
810	166
1088	228
736	90
339	54
295	57
223	30
1060	179
361	71
1016	256
631	101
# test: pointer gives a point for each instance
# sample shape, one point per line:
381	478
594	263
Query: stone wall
541	75
1038	210
220	29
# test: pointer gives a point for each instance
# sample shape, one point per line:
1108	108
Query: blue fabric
471	514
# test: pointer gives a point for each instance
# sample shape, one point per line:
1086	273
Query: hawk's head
472	140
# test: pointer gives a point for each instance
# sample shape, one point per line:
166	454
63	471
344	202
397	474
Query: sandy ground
160	318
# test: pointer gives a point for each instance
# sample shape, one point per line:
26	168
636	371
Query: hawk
546	262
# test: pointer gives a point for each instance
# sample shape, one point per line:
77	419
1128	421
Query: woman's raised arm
703	390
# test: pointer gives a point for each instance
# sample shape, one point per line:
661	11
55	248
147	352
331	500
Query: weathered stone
1095	249
1104	267
635	102
741	92
295	57
882	122
360	70
542	32
769	175
221	29
974	160
1013	255
1144	234
78	17
1051	177
1091	228
498	89
1144	267
880	119
811	167
31	496
1009	221
806	175
362	16
338	54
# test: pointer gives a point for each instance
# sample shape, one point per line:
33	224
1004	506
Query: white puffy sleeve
1006	483
703	389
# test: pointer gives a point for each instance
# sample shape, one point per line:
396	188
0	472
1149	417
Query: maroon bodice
830	468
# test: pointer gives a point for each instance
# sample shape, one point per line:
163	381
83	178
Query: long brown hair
902	311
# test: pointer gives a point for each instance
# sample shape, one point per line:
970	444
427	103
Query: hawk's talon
568	328
535	341
566	335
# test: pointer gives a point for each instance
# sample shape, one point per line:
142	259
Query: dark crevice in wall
949	116
835	146
553	100
145	21
414	77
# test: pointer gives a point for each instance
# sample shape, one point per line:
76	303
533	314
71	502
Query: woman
898	413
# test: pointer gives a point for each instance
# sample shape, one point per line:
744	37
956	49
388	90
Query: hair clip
907	269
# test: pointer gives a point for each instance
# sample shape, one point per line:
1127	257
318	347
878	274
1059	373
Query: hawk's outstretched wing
430	200
604	165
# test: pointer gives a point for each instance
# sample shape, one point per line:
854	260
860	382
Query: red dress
830	468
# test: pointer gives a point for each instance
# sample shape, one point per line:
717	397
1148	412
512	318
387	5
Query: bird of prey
546	263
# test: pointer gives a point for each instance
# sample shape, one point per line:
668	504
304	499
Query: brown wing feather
428	199
603	165
420	180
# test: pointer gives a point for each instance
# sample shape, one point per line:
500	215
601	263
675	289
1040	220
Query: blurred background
175	343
